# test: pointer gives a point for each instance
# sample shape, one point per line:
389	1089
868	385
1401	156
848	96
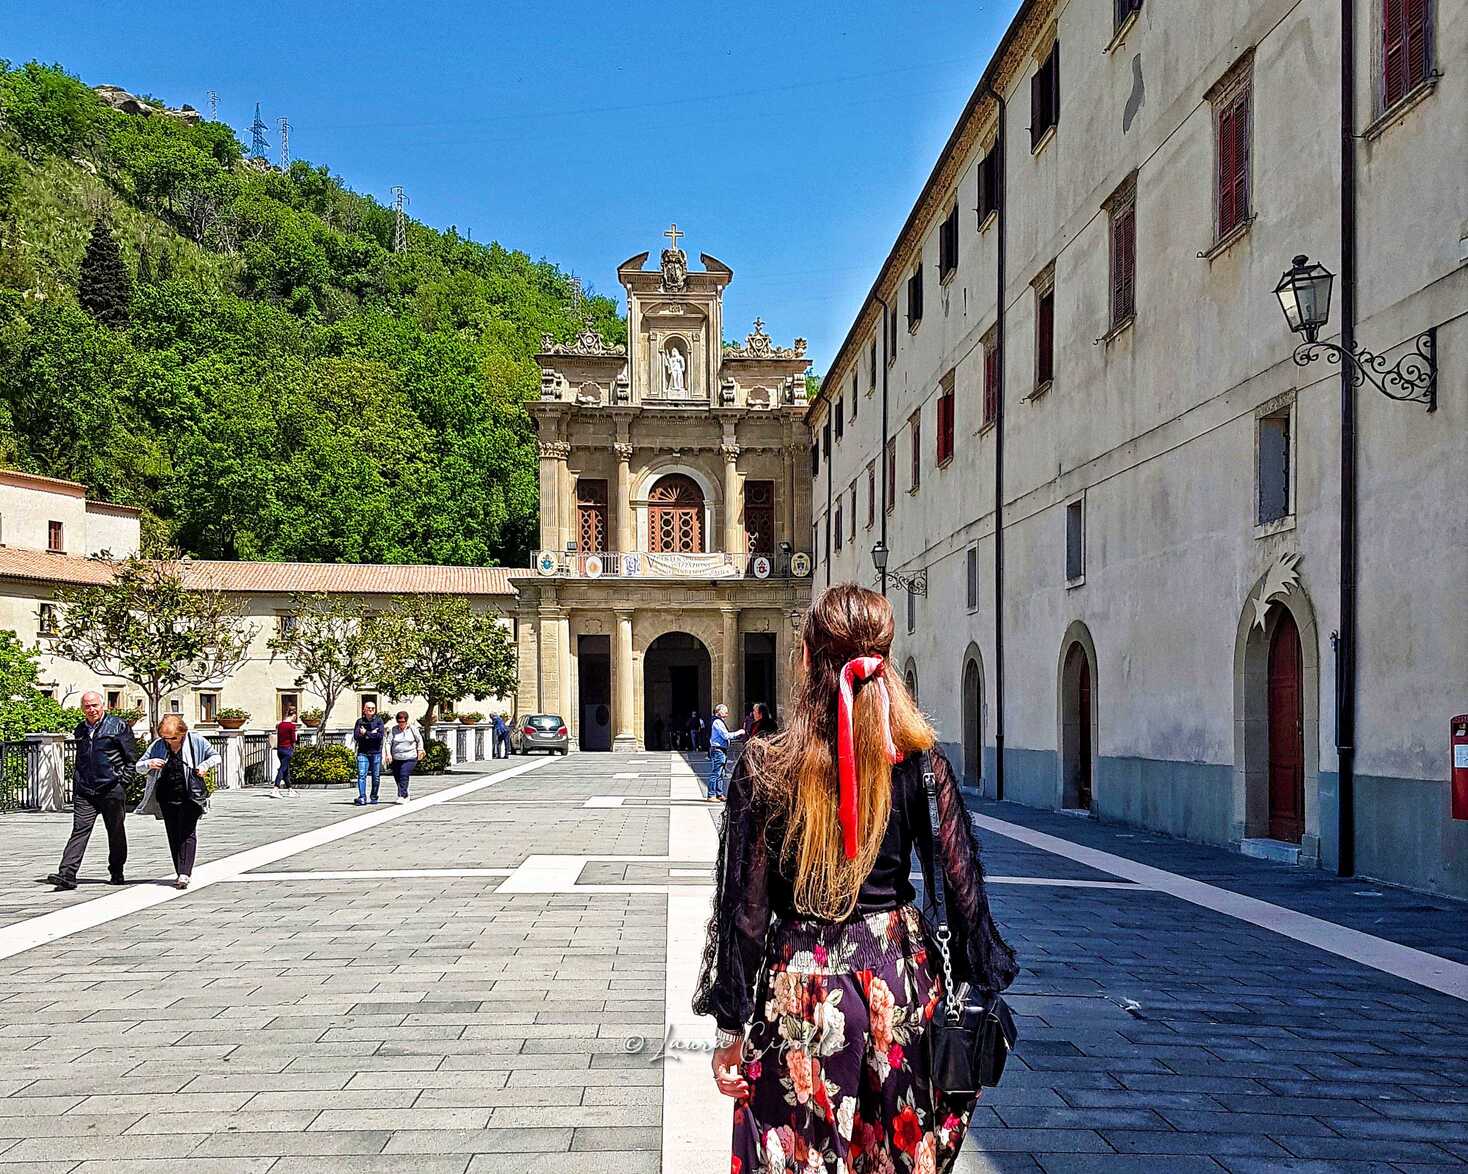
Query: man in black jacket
106	755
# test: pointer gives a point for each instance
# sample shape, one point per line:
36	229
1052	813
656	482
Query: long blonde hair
795	774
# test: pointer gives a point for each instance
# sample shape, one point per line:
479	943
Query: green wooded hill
261	373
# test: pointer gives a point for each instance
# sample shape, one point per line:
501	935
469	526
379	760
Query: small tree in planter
145	626
328	641
440	648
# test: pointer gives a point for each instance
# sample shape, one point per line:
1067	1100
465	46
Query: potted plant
311	718
232	717
470	718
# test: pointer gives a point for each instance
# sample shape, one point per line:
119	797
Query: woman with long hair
816	966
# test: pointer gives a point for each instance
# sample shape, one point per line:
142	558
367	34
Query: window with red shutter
1233	158
1406	54
991	380
1123	208
891	473
1044	337
945	421
917	450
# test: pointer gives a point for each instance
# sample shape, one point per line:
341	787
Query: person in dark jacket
367	734
105	754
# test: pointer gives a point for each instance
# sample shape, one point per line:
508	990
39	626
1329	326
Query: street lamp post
915	584
1304	296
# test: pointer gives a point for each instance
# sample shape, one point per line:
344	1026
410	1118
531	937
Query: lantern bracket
1412	379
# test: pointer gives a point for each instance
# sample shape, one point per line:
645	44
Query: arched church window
591	516
675	516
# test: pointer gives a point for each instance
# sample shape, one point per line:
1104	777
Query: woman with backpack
818	967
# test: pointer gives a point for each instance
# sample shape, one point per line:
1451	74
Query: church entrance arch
677	680
1077	719
675	514
973	718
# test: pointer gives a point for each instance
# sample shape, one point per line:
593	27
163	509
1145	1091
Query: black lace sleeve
980	955
733	952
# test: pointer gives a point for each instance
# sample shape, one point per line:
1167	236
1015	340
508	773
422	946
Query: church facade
674	563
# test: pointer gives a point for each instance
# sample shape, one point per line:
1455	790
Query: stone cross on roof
673	234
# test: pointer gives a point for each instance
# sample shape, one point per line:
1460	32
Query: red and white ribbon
861	668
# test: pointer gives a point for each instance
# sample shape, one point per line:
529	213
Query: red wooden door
1083	743
1286	734
675	516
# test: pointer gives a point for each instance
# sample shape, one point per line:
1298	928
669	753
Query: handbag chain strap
942	934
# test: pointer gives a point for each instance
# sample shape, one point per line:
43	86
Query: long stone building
674	504
1163	573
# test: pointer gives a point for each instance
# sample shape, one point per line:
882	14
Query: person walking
817	967
762	721
286	732
177	765
695	724
105	752
719	739
401	750
367	737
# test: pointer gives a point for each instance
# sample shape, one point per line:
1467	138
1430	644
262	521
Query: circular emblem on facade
761	566
546	563
800	564
593	566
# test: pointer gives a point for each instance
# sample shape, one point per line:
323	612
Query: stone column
729	617
624	685
553	454
786	511
549	680
733	538
569	708
232	771
626	520
567	502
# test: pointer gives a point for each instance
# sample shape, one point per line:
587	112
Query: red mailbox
1459	751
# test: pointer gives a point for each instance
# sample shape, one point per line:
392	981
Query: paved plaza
495	978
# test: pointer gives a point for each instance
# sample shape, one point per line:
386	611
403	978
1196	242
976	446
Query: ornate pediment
757	345
588	342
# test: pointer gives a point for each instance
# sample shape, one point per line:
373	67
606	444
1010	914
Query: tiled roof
40	566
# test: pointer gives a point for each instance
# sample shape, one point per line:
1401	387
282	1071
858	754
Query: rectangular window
872	364
891	473
948	246
1406	48
815	460
1075	529
287	703
1045	96
759	517
55	537
851	514
1274	467
945	420
916	424
854	397
1123	9
46	621
1123	208
286	623
989	184
972	578
446	708
175	706
1231	116
991	378
891	337
915	298
840	418
871	494
208	708
114	698
1044	335
364	699
838	532
591	516
826	440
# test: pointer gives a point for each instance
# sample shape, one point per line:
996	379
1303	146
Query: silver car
542	731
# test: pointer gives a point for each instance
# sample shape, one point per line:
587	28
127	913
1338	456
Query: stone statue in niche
674	366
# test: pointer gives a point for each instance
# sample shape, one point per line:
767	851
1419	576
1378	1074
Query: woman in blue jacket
177	764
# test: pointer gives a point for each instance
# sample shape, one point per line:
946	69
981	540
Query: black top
368	733
752	886
105	754
172	787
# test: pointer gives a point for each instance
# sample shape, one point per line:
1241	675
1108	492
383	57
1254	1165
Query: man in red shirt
285	746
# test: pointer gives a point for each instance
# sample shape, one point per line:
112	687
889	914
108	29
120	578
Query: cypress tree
105	289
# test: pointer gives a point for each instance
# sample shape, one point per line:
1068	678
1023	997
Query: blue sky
786	140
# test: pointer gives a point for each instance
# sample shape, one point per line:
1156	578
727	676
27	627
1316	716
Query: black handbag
972	1032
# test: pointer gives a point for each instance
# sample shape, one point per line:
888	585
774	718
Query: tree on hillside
105	288
326	640
439	648
147	627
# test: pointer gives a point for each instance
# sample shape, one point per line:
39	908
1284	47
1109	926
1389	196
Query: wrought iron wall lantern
1304	296
914	584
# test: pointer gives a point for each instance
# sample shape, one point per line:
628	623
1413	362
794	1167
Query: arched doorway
909	678
1286	732
973	720
675	511
1077	727
676	680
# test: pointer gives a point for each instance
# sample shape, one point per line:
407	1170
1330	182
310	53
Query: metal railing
643	564
20	788
68	769
255	760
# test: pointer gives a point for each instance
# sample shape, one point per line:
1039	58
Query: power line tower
258	145
213	106
400	221
285	144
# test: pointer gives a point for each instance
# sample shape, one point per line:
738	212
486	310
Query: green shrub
435	759
323	766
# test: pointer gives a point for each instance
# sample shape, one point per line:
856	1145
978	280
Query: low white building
49	530
1078	321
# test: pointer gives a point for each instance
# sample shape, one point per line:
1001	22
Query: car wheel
565	750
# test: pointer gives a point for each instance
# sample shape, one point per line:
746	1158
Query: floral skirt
837	1064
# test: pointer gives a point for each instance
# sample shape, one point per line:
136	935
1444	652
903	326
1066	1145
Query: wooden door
1286	733
675	516
1083	742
